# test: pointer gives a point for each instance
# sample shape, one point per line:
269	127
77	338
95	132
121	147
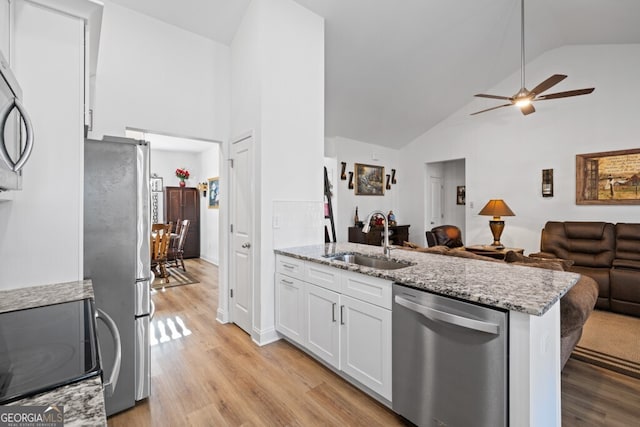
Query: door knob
246	245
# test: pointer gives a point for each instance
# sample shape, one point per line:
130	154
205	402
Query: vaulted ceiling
395	68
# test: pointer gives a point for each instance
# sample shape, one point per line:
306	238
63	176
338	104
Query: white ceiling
395	68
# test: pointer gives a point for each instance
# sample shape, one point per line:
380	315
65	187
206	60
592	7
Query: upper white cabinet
5	28
341	317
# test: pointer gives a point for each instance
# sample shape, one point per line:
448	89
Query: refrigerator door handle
110	385
153	309
143	359
443	316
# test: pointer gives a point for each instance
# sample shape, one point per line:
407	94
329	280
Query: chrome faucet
367	226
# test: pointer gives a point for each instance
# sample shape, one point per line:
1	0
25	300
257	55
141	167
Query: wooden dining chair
177	248
160	243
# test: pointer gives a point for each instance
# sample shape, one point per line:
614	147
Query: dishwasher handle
454	319
110	385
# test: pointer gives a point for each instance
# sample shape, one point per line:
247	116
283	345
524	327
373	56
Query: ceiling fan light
523	102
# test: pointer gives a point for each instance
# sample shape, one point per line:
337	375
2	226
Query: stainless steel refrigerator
117	258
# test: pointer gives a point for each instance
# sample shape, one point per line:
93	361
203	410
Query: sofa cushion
589	244
577	304
628	242
551	263
602	277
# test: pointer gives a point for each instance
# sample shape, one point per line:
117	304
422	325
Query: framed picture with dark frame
461	194
214	193
156	184
369	180
608	178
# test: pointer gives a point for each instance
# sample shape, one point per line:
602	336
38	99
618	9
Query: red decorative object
182	183
182	173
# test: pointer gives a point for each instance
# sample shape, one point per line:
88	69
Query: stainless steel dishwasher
450	360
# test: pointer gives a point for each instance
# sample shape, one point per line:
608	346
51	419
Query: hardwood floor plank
208	374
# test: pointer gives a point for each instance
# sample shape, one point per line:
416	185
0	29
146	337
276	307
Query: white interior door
241	268
435	202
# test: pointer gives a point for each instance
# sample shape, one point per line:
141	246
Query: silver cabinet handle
288	282
333	312
110	385
28	147
246	245
342	314
433	314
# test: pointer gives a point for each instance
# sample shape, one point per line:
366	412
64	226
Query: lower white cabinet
365	350
323	331
290	308
350	334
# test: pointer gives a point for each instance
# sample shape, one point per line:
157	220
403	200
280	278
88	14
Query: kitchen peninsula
530	295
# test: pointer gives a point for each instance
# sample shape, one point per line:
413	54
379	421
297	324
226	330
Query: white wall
209	218
352	151
164	164
41	229
278	93
157	77
506	151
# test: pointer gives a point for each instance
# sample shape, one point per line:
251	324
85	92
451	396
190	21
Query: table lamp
496	208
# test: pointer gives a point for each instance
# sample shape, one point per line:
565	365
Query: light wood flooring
208	374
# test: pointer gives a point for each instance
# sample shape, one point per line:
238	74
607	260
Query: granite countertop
36	296
517	288
83	401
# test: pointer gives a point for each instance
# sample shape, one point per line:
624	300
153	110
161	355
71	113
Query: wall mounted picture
369	180
156	183
214	193
461	195
608	178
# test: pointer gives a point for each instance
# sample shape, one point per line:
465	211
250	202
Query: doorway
445	198
201	158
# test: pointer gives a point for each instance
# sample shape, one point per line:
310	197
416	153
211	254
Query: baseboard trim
222	316
265	337
210	261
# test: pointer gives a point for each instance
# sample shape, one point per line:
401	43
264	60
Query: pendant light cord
522	44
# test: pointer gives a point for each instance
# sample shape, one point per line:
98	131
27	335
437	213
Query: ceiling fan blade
565	94
489	109
483	95
527	109
549	83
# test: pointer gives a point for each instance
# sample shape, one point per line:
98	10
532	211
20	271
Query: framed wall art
369	180
608	178
214	193
461	191
156	183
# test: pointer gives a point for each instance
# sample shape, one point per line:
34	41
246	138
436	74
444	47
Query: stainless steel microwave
16	132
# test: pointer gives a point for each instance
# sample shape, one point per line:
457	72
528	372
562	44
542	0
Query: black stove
46	347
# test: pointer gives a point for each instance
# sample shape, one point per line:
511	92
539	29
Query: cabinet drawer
366	288
290	266
323	275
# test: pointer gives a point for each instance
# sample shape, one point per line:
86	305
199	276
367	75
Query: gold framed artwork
214	193
608	178
369	180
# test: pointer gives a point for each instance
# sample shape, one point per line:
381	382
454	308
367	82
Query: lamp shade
496	208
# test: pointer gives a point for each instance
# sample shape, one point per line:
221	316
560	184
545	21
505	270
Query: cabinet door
290	317
191	211
5	36
323	332
366	344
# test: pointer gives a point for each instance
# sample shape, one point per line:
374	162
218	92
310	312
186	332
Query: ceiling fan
524	98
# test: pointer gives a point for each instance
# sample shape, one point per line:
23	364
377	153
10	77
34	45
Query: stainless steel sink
369	261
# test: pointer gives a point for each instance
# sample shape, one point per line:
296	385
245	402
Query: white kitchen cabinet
344	319
290	308
323	328
365	350
5	29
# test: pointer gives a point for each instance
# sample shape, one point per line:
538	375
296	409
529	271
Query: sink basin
369	261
